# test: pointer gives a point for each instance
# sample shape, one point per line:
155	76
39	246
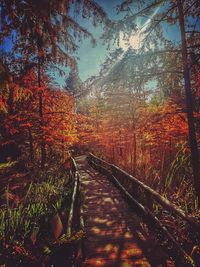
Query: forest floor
34	205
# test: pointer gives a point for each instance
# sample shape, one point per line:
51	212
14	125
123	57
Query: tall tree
189	102
155	47
44	32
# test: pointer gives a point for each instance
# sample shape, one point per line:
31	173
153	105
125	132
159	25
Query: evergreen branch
159	2
157	23
187	9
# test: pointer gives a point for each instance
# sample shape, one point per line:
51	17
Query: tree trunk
189	104
113	154
162	182
42	146
134	153
10	101
30	144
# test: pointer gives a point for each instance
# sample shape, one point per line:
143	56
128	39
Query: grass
44	198
7	165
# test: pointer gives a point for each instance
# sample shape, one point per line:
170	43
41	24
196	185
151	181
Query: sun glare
135	40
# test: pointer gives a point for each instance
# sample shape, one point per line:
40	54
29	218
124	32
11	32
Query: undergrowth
30	221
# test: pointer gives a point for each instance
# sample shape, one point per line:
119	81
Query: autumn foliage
22	125
145	137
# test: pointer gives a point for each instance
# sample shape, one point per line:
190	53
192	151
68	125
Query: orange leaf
56	226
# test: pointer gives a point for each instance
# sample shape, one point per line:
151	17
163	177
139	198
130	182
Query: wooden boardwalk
115	236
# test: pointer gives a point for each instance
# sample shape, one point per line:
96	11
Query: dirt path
115	236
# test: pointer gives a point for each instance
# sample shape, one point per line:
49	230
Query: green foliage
7	165
180	167
41	202
180	178
16	224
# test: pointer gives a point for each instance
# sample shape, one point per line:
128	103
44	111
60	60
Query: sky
89	58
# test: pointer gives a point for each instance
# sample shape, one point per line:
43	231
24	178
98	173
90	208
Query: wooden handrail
76	178
71	218
71	211
164	202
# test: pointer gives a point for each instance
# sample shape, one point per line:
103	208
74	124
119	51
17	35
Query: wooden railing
74	175
75	221
68	248
142	199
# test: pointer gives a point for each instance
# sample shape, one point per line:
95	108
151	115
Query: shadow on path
115	235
